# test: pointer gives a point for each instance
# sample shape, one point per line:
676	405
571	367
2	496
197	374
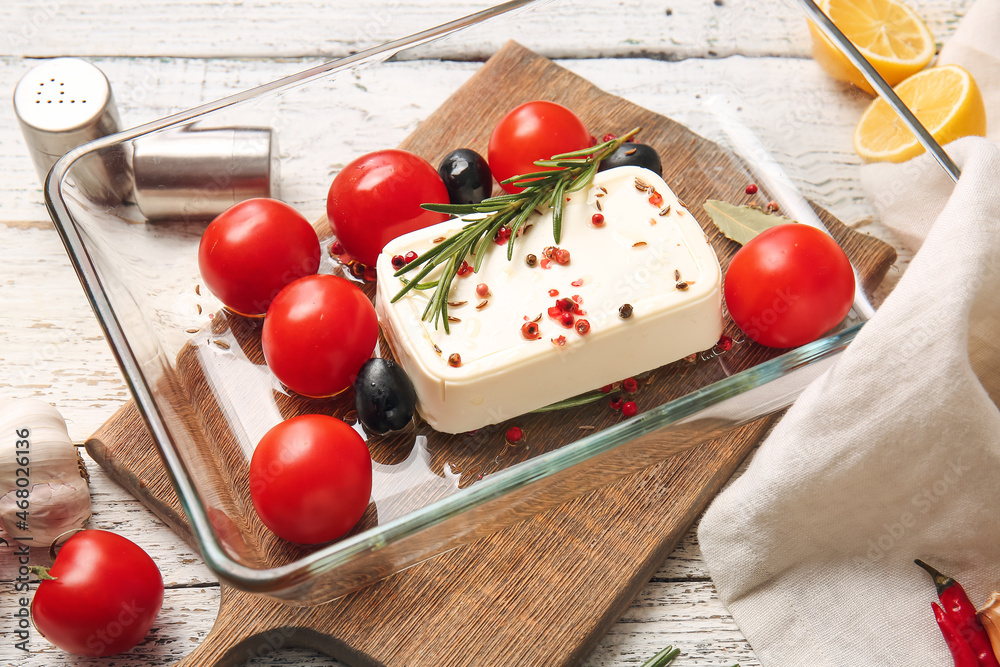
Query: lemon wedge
887	32
945	99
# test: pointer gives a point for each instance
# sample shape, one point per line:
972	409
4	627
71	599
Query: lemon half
946	100
887	32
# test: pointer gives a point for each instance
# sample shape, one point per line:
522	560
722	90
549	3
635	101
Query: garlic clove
48	455
52	509
989	616
40	469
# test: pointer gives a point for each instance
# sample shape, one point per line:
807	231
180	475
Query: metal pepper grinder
61	104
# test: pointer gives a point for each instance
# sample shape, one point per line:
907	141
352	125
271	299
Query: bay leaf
741	223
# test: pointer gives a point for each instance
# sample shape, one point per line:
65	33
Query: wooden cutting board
544	591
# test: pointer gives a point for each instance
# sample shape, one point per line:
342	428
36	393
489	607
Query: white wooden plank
807	124
184	620
50	344
313	28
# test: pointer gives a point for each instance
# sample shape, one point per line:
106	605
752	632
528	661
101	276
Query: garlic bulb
989	616
43	483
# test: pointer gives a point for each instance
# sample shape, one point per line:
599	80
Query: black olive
635	155
467	176
384	396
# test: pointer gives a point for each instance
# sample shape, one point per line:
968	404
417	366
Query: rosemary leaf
582	180
663	658
586	152
445	208
558	204
433	253
414	282
483	244
535	178
519	221
560	163
421	286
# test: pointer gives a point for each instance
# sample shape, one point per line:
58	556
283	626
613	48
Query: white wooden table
163	56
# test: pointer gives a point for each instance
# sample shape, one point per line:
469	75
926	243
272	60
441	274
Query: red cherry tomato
311	478
317	333
789	285
254	249
105	596
377	197
533	131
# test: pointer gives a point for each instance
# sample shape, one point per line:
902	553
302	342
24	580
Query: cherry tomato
789	285
311	478
533	131
317	333
105	596
254	249
377	197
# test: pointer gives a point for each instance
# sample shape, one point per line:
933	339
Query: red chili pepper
961	652
962	614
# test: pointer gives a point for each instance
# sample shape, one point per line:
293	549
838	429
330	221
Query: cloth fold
894	454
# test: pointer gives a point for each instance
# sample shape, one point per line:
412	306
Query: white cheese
634	258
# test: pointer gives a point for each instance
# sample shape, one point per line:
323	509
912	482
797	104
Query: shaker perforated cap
61	104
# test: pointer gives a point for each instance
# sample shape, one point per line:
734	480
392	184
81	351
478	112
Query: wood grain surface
478	604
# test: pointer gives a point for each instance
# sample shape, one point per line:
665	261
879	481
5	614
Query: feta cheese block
641	288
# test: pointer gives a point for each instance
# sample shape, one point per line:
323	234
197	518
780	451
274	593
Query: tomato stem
42	573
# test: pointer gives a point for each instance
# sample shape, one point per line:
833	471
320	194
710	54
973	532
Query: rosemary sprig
541	189
666	657
663	658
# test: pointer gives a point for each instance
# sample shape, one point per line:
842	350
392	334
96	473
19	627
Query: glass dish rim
267	580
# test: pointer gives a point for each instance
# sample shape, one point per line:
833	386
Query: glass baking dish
194	369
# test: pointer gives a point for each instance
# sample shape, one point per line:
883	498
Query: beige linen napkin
894	454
